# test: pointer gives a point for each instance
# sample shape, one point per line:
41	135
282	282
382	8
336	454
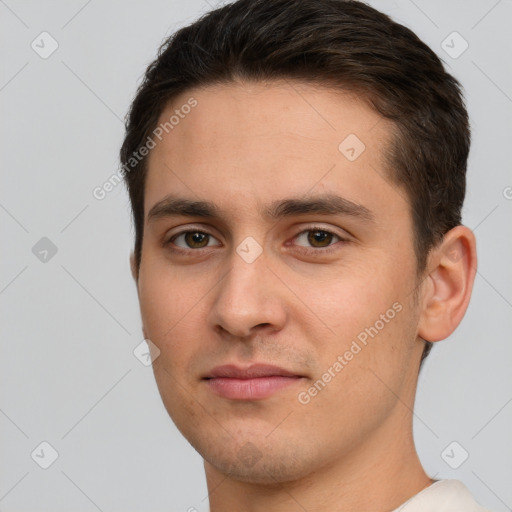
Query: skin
351	447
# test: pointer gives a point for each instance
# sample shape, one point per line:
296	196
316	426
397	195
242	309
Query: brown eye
323	238
196	239
316	238
187	240
317	241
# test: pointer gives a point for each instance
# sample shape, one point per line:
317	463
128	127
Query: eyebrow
327	204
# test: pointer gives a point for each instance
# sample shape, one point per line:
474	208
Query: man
296	171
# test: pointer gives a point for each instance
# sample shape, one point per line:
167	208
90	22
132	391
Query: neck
376	476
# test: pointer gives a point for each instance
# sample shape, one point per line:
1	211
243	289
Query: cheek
168	313
369	342
177	397
164	298
361	372
349	303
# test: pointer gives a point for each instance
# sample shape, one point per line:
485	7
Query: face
283	309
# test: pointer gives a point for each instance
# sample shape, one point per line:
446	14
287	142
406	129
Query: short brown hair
344	44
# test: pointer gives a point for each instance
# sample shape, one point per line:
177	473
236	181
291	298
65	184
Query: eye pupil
193	237
319	236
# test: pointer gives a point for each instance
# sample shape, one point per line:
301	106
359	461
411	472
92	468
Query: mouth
256	382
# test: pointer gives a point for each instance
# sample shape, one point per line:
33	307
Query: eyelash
305	250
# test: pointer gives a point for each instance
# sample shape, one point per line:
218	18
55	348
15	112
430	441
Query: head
256	103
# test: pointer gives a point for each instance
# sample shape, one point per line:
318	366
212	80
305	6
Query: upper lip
249	372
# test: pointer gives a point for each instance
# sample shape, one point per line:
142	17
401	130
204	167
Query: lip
255	382
249	372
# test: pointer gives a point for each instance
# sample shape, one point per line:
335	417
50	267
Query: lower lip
250	389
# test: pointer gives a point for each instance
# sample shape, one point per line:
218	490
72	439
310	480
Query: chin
259	462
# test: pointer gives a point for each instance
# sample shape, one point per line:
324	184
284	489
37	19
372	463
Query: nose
249	299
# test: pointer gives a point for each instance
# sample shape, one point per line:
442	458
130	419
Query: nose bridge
248	295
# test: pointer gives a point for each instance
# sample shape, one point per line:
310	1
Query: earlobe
447	289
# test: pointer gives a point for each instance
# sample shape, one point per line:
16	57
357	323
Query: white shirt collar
442	496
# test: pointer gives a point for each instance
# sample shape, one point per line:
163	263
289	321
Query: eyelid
343	234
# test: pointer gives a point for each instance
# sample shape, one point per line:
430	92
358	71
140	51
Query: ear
133	267
135	276
447	288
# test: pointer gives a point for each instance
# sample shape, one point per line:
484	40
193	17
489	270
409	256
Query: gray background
70	323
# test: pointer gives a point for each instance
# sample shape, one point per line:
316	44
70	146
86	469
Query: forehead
248	144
